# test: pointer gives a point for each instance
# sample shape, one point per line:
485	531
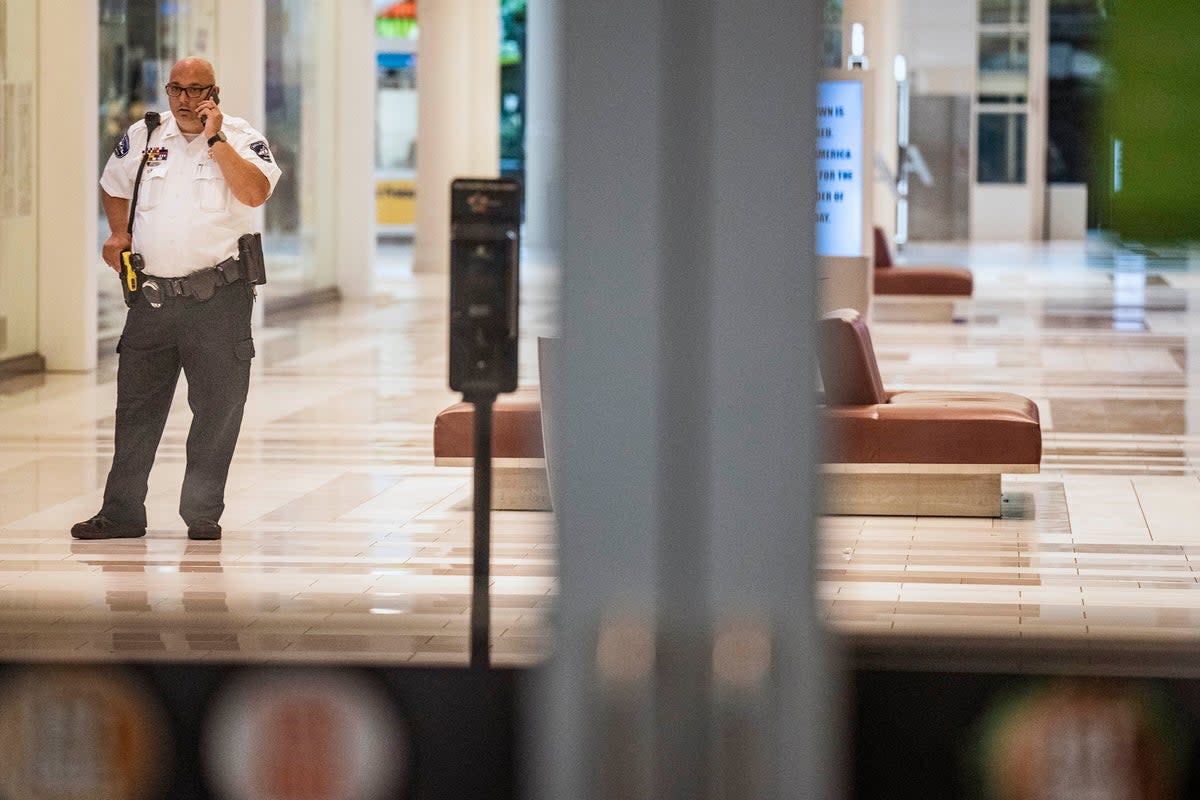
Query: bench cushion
516	429
936	427
944	281
933	279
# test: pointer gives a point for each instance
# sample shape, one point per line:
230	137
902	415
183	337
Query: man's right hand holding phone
210	113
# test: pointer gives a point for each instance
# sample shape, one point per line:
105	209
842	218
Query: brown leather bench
929	453
518	463
917	279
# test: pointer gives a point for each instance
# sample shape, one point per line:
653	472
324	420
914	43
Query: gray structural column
543	150
611	142
687	618
765	492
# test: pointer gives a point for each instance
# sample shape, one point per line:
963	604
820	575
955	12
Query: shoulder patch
261	150
122	148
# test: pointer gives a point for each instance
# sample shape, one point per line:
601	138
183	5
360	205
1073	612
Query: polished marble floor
343	541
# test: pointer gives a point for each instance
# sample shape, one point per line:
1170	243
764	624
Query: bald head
193	71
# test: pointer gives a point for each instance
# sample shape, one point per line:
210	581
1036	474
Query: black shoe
204	529
99	527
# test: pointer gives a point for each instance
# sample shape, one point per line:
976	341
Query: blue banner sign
840	165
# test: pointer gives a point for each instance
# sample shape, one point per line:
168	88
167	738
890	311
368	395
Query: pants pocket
244	349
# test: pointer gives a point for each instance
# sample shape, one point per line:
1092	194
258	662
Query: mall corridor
343	540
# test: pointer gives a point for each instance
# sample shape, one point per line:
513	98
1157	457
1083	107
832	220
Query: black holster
250	256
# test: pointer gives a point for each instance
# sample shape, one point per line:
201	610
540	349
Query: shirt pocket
211	192
151	191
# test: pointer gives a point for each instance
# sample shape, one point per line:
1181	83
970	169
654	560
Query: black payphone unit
485	230
485	240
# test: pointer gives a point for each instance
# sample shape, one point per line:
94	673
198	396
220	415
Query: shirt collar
169	126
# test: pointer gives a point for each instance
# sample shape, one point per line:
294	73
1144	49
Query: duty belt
199	285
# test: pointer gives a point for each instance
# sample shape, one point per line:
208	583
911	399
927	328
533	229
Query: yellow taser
131	280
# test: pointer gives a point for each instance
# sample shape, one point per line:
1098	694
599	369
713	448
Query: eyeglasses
194	92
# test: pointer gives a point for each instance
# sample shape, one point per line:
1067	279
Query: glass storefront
395	118
139	42
1002	106
1001	148
18	184
512	87
1000	12
397	29
294	128
1003	67
831	41
1078	76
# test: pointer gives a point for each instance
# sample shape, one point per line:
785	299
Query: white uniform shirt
186	217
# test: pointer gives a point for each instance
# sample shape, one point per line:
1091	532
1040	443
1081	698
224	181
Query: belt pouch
202	285
250	256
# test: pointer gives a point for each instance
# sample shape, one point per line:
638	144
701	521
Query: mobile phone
213	95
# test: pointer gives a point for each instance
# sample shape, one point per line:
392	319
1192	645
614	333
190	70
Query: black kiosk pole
481	551
485	231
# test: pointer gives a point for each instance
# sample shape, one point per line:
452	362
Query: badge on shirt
261	149
156	155
122	148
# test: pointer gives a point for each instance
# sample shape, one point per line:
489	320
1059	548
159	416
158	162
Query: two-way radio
131	262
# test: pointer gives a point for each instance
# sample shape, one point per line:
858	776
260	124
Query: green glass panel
1151	134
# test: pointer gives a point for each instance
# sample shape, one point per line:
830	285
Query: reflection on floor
343	541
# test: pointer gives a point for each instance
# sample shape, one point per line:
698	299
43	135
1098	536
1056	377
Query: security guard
204	174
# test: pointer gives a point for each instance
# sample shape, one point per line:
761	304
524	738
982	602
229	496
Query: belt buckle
153	292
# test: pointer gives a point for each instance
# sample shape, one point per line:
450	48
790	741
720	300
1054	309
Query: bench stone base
520	489
916	490
913	308
913	495
518	484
